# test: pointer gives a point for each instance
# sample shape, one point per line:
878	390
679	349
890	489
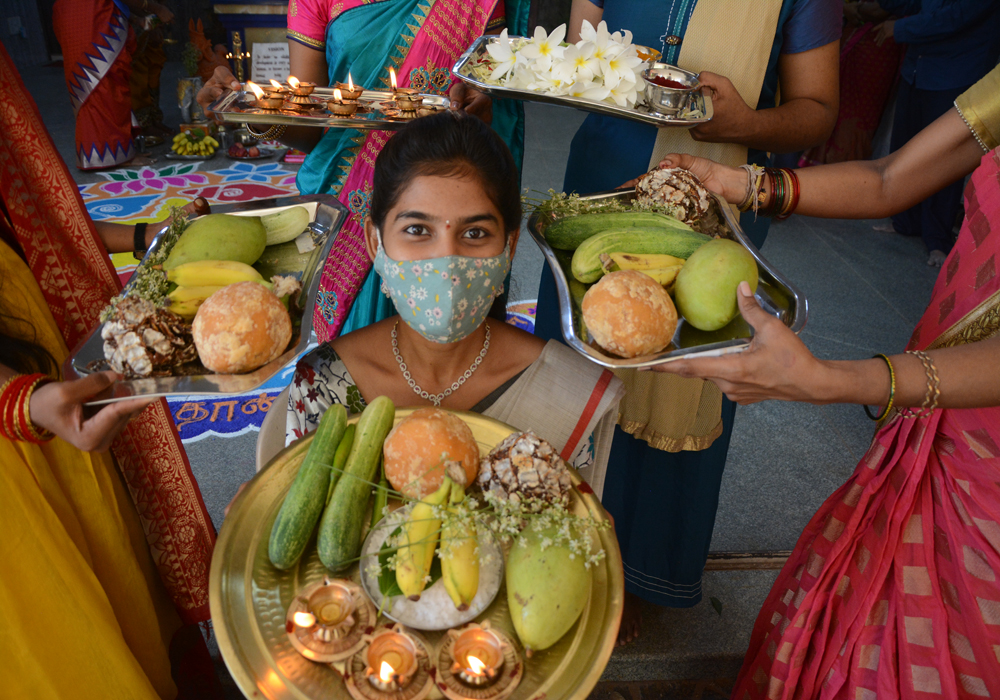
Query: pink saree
891	590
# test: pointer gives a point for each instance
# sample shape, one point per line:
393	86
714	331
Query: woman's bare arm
939	155
778	365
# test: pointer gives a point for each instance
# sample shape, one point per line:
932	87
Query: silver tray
232	108
639	113
278	259
777	295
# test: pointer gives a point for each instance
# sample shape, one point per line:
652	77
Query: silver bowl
667	100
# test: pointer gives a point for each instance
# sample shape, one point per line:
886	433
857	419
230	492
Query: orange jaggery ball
416	450
629	314
240	328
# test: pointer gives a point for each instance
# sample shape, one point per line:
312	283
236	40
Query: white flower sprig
602	66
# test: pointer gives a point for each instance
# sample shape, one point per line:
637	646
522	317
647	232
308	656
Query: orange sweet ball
629	314
416	449
240	328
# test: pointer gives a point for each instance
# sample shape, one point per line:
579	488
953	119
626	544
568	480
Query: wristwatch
139	241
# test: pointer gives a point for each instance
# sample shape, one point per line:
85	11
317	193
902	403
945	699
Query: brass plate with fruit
326	217
776	294
249	596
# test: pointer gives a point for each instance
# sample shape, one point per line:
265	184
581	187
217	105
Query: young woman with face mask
442	231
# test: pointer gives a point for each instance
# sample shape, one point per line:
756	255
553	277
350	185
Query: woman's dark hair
20	351
444	144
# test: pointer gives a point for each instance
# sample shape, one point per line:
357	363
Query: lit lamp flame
276	84
255	89
386	672
304	619
337	95
392	77
476	666
293	81
350	83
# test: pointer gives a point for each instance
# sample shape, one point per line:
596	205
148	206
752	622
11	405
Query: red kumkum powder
667	83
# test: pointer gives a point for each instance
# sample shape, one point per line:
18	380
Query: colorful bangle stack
783	184
892	391
15	398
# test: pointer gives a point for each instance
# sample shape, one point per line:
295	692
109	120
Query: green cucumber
586	265
381	494
340	459
304	502
569	232
343	520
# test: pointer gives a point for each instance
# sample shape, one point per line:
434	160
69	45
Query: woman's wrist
865	382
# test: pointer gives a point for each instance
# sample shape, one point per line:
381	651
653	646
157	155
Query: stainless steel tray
639	113
777	295
232	108
278	259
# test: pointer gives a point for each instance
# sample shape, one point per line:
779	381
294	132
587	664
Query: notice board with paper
269	62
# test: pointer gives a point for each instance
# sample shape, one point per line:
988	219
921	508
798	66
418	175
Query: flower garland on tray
602	67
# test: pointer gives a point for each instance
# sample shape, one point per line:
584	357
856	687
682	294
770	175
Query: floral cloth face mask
443	299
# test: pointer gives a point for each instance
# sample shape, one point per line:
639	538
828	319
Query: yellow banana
182	294
204	273
418	541
185	309
664	276
460	556
631	261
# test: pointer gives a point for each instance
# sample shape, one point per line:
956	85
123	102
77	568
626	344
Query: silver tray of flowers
603	73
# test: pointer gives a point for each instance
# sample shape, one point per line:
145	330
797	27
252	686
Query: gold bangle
273	133
892	390
933	387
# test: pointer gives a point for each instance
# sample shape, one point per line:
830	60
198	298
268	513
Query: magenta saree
892	590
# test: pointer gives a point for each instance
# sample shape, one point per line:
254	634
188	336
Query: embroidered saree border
982	323
305	40
76	277
687	443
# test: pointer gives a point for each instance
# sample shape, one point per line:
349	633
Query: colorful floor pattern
146	195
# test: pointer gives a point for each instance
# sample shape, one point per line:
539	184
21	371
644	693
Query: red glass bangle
793	187
8	406
28	429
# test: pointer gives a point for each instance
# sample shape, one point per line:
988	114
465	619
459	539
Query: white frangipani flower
589	90
544	48
578	62
625	93
501	52
622	67
600	38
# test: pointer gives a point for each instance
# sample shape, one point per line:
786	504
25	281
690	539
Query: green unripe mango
219	237
705	290
546	589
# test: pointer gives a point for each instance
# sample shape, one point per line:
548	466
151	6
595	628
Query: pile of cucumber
637	233
332	488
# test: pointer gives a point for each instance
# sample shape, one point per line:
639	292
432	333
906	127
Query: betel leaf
387	585
717	604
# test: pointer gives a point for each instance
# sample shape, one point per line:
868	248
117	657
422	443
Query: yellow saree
83	613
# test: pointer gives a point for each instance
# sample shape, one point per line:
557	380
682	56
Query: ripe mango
705	290
547	589
219	237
